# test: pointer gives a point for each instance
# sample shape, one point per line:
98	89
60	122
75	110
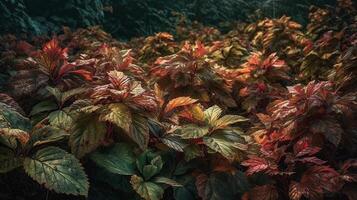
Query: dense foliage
125	19
266	111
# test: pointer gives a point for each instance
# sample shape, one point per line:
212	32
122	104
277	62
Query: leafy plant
29	148
264	110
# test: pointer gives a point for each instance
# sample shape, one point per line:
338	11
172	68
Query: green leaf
55	92
86	135
188	190
149	171
167	181
149	164
118	159
60	119
192	131
222	145
139	131
212	114
47	134
70	93
44	106
58	171
10	118
147	190
8	160
119	114
192	151
233	185
228	120
174	142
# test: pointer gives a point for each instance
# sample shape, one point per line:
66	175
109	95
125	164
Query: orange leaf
179	101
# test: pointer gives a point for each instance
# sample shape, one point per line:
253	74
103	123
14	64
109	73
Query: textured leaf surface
22	136
212	114
228	120
43	106
178	102
139	131
58	171
221	145
147	190
167	181
119	114
60	119
193	131
118	159
86	135
10	118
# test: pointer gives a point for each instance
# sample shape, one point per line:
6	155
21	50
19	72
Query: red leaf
200	50
86	75
256	164
314	182
313	160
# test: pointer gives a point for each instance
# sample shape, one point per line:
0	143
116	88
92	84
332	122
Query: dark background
131	18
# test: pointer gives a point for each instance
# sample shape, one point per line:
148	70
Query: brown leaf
264	192
201	181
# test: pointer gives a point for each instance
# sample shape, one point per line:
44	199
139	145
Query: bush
264	111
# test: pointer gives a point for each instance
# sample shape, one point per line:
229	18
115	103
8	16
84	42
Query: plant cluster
266	111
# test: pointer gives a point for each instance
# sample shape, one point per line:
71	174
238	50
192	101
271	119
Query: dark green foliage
131	18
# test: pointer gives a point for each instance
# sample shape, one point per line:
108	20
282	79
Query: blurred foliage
131	18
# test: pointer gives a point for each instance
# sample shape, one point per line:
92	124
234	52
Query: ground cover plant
266	111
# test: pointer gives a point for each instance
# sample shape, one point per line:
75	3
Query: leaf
192	131
313	182
192	151
147	190
60	119
58	171
46	135
331	129
9	118
11	103
174	142
86	135
22	136
221	145
313	160
201	182
228	120
43	106
118	159
220	186
70	93
139	131
178	102
119	114
56	92
197	112
167	181
149	164
257	164
212	114
264	192
8	160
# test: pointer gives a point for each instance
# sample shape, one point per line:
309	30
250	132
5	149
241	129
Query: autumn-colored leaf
178	102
